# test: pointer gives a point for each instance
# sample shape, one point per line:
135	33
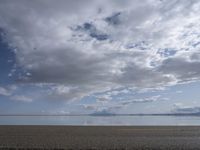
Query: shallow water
99	120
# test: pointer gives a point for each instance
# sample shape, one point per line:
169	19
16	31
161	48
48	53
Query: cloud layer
86	47
182	109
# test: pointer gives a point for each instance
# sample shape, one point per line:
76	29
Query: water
99	120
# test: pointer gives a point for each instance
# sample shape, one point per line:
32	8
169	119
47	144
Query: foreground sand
99	137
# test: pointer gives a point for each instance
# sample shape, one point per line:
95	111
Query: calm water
99	120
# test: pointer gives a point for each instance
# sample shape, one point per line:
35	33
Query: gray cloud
182	68
91	30
84	47
113	19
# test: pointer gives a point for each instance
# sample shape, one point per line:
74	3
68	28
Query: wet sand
100	137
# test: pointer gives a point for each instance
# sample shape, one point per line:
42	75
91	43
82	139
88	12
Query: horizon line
111	114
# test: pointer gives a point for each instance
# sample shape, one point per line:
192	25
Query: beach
100	137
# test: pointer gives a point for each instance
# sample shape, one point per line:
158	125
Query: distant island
102	113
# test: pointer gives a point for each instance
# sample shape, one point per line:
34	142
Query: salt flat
100	137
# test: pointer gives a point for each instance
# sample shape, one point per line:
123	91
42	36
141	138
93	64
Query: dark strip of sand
100	137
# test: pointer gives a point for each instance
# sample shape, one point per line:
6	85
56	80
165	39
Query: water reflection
99	120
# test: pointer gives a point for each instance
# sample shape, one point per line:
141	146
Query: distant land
108	114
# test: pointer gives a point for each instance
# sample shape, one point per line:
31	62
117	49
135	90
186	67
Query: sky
99	56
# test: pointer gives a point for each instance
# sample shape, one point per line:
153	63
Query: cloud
101	109
102	112
179	92
90	107
10	92
64	92
4	92
86	47
184	69
143	100
180	108
104	98
114	107
92	32
21	98
113	19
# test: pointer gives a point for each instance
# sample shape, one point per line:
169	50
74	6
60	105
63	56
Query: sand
100	137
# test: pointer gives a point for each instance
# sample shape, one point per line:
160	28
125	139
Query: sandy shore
100	137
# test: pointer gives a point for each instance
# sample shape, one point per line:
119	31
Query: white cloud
184	109
8	90
21	98
4	92
143	100
115	106
84	47
179	92
104	98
